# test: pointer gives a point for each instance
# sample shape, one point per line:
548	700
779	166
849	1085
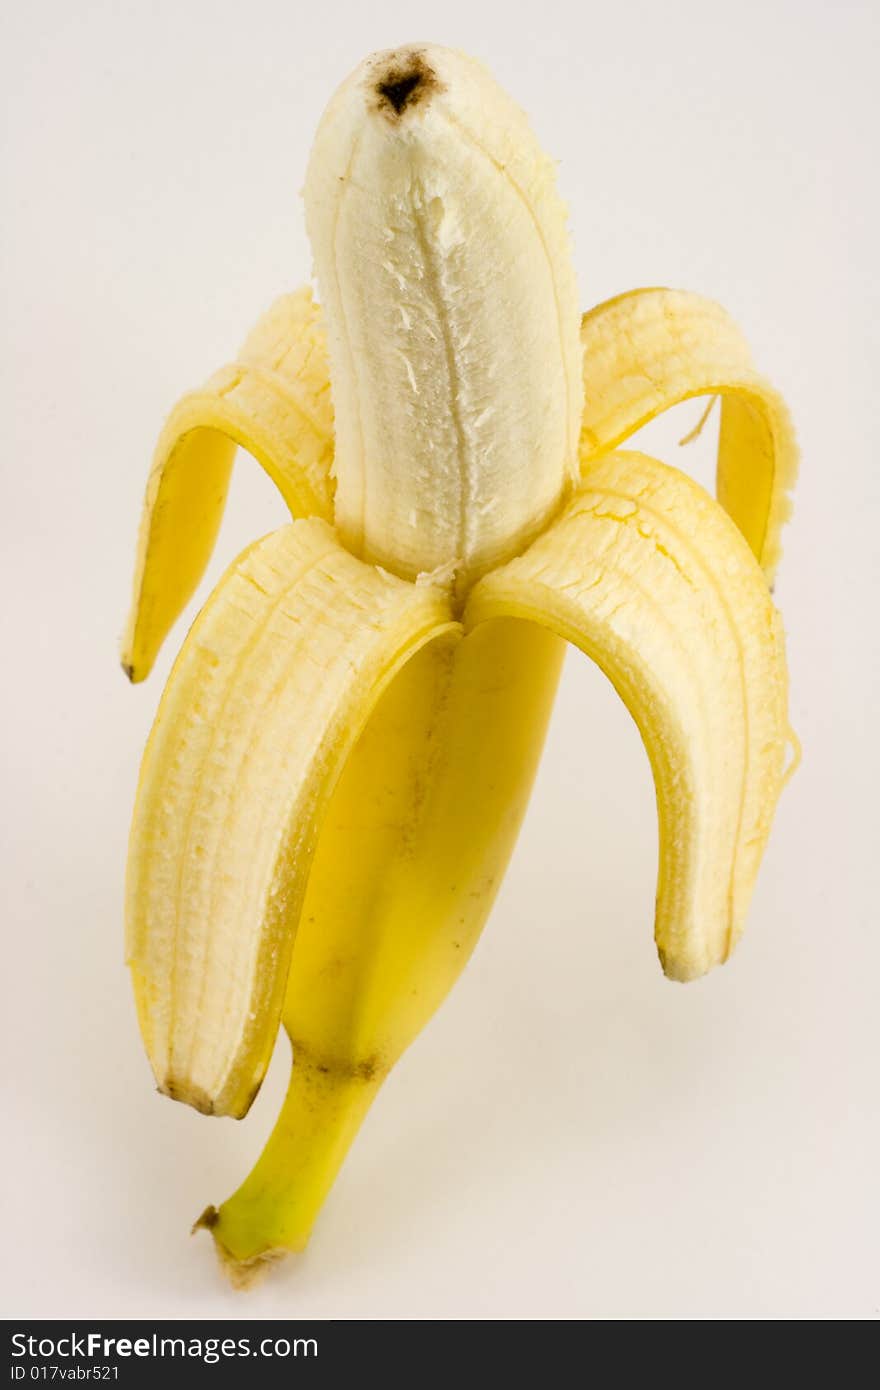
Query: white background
572	1136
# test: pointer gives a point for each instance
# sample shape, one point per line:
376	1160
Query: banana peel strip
648	576
650	349
273	685
274	401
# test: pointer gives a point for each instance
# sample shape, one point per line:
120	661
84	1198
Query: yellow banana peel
345	748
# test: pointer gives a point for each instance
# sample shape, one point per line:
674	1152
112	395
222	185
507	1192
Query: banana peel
274	401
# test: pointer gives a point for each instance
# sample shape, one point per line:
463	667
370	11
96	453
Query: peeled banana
346	744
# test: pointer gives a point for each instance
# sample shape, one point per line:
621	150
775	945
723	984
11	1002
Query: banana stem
274	1209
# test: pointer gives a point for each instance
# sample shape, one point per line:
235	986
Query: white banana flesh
442	253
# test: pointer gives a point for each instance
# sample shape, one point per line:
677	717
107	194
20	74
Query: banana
345	748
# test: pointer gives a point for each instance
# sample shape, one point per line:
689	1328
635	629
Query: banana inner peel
345	748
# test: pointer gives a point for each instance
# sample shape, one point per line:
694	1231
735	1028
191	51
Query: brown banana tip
403	81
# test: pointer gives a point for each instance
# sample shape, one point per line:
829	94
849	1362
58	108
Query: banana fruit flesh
347	742
442	252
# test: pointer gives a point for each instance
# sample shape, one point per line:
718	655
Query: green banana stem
274	1209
